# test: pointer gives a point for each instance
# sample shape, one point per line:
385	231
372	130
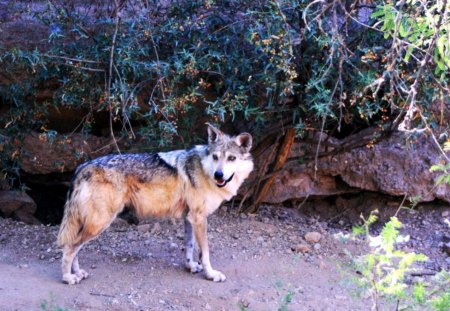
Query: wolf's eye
231	158
215	157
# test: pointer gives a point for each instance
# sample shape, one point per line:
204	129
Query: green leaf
441	303
447	146
408	53
403	31
358	230
381	11
441	65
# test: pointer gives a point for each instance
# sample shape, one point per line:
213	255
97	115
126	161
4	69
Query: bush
157	72
384	271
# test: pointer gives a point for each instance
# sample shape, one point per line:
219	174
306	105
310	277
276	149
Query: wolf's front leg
199	224
189	239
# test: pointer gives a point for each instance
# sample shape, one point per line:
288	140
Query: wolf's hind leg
80	273
192	265
72	274
69	259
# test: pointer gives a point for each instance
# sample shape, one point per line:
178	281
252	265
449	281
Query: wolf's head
228	160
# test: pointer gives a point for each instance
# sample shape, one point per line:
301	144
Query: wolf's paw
193	266
216	276
82	274
71	279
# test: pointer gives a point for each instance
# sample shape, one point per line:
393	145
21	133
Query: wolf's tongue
222	183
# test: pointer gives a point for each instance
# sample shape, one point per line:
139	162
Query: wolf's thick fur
183	183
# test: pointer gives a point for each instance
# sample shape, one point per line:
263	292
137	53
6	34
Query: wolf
190	184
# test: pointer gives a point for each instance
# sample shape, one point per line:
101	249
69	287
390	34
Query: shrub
156	72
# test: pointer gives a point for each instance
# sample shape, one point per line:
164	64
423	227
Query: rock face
393	166
18	205
41	154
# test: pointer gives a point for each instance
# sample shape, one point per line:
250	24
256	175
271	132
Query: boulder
44	154
394	166
19	206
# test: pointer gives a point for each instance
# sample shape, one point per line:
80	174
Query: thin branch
72	59
405	125
110	74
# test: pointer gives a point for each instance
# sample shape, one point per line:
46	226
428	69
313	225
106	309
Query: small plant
50	305
442	167
383	272
285	296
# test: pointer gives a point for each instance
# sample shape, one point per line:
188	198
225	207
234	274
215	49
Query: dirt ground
140	267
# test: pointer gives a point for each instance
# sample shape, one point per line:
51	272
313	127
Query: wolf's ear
244	140
214	134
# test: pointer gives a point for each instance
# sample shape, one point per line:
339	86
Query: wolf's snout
218	175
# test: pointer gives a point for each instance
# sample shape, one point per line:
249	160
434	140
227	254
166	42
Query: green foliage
162	74
383	271
157	73
285	295
445	176
444	168
416	25
442	303
180	65
50	305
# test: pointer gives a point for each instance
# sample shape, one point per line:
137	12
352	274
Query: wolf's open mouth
223	183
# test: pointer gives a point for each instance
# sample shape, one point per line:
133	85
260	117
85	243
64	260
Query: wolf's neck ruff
223	183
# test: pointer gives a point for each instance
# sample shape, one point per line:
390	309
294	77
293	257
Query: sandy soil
141	267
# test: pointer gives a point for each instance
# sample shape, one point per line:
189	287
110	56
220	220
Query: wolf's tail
73	220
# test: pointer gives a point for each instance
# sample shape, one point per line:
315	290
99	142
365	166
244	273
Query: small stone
207	306
447	248
302	248
173	246
316	246
156	229
340	297
143	228
131	236
313	237
260	240
120	225
445	214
